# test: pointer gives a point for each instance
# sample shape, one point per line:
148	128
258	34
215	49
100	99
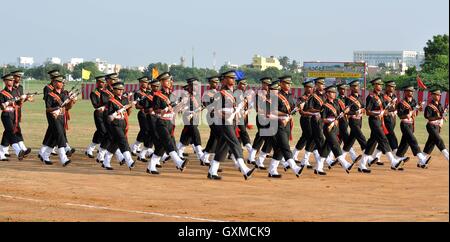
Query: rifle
65	103
123	109
341	115
23	97
236	111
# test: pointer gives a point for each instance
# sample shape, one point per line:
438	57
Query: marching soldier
283	115
241	130
261	103
57	102
376	112
155	86
118	111
225	114
407	110
10	102
355	114
208	102
330	112
306	141
343	133
143	137
143	125
165	110
96	102
313	107
106	94
190	133
436	116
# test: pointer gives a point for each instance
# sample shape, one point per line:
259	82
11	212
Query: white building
104	67
25	61
395	59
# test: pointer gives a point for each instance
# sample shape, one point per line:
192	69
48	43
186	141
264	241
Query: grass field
85	192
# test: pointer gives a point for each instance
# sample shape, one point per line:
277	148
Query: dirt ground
83	191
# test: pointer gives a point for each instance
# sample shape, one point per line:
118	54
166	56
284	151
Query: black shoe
262	168
350	168
40	157
67	163
6	159
370	163
406	159
183	166
358	158
70	152
300	171
214	177
122	162
47	162
364	170
428	161
21	155
379	163
309	167
134	154
165	160
107	168
143	160
332	164
220	170
251	162
7	155
320	173
152	172
298	162
400	164
54	154
27	152
158	166
249	174
132	165
274	176
186	154
98	161
287	168
88	155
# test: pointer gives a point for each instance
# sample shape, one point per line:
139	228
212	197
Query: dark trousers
100	126
143	127
228	142
243	134
355	134
164	130
343	134
107	139
212	141
119	139
153	137
280	142
331	142
305	124
408	140
317	133
190	135
390	123
9	136
377	136
434	139
56	132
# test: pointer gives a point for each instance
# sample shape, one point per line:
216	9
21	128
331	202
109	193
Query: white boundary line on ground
113	209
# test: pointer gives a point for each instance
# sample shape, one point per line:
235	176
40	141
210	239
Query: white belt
166	115
407	121
435	122
228	110
9	109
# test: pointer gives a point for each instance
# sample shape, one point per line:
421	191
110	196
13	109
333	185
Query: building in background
262	63
54	60
397	60
25	62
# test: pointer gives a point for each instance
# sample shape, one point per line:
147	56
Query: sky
139	32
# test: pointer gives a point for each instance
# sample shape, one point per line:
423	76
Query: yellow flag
85	74
155	73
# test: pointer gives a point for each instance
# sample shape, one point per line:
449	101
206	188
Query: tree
88	66
436	53
285	62
128	75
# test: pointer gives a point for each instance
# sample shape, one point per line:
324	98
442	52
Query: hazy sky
138	32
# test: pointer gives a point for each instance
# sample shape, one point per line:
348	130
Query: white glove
101	108
23	97
6	104
57	112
